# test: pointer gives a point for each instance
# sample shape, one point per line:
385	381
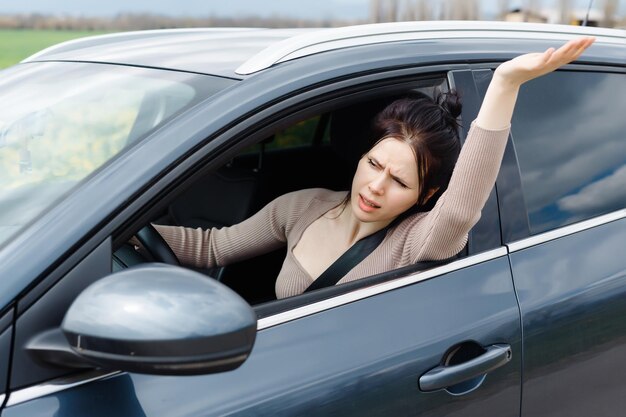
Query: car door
362	352
564	220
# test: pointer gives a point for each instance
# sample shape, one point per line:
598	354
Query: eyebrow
395	177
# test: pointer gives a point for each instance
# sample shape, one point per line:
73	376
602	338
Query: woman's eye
371	162
403	185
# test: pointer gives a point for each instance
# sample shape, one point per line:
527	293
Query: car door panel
360	358
562	203
571	293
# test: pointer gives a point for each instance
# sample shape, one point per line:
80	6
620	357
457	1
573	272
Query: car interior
319	151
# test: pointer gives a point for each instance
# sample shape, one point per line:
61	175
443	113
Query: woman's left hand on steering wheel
152	242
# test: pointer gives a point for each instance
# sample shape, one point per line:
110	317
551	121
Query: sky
320	9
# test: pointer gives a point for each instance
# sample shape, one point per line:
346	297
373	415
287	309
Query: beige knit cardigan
438	234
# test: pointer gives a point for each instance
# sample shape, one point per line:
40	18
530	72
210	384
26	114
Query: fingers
581	47
582	44
567	50
579	52
587	42
571	50
529	66
547	55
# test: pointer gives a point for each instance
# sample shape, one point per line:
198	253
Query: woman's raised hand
497	108
526	67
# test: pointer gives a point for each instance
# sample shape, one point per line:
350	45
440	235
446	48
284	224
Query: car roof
238	52
217	51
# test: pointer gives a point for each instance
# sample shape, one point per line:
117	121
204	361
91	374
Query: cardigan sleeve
263	232
443	231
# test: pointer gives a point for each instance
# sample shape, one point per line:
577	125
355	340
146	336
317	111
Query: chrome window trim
59	384
350	297
330	39
565	231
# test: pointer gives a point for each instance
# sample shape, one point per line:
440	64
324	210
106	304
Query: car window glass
59	122
299	134
569	135
326	135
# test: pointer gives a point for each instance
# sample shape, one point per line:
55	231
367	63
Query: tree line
560	11
143	21
380	11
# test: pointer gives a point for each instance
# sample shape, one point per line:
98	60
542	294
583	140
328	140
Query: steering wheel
156	245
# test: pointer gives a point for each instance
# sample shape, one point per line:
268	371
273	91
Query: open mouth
368	203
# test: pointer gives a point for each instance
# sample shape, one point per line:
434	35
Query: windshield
59	122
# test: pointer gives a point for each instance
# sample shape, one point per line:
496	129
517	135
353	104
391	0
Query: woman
396	182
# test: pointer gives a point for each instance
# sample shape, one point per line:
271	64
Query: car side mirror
157	319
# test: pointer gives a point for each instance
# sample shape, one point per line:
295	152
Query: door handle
446	376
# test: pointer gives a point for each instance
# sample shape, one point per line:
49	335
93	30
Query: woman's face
385	183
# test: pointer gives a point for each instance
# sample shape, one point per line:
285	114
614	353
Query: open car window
319	151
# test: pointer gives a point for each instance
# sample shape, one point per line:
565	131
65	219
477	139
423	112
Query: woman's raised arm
497	108
444	231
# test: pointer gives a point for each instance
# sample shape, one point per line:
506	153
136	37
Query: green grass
15	45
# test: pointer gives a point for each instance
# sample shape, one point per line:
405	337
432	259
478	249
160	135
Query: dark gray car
201	128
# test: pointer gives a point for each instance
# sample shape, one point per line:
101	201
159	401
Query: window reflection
61	121
569	135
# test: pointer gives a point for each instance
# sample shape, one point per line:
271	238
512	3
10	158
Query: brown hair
429	126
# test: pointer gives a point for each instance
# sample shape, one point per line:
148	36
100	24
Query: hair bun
451	103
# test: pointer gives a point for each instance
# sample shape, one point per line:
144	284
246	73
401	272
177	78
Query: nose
377	184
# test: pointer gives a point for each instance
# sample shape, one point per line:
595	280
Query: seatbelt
348	260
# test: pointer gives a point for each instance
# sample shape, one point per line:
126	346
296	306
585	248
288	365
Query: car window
569	135
299	158
301	134
59	122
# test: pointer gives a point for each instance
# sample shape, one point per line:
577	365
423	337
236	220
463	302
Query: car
102	137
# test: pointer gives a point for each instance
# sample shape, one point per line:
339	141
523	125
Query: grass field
16	45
